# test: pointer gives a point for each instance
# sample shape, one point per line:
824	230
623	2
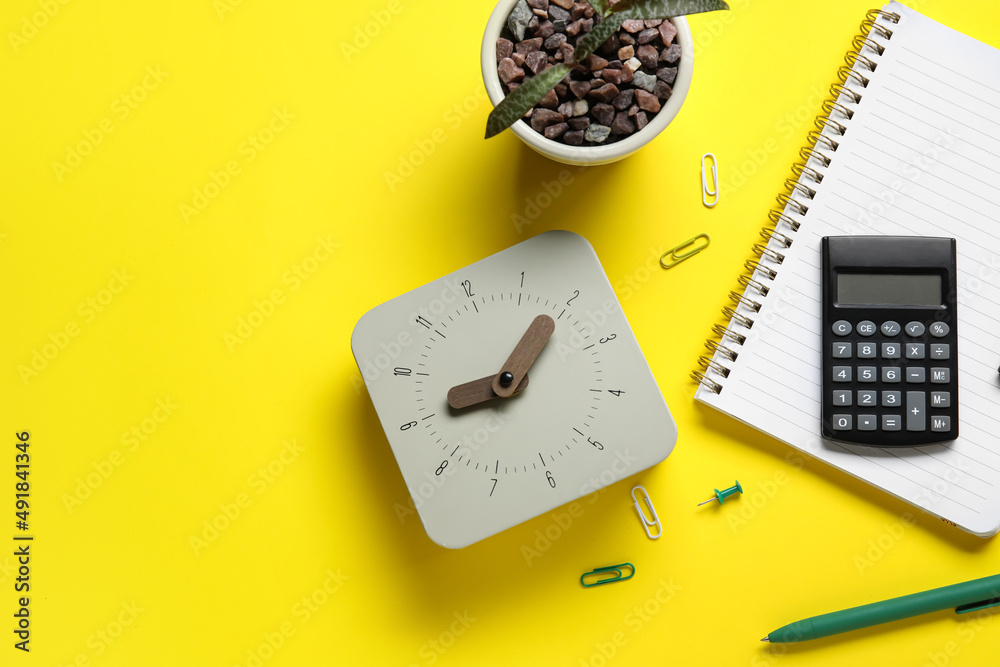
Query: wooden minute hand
513	377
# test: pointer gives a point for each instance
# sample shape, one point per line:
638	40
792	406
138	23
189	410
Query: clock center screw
506	379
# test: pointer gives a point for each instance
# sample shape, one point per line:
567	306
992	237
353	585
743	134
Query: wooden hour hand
477	391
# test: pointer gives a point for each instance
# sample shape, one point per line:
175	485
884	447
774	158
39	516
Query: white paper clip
707	194
646	522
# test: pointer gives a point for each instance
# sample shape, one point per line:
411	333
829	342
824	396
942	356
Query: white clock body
590	415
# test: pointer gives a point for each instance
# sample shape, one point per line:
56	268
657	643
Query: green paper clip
616	569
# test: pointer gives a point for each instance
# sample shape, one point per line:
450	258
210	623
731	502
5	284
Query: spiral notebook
909	144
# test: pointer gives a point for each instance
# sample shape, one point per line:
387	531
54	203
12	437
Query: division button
916	411
940	351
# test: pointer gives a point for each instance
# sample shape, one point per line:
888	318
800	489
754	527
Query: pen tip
766	639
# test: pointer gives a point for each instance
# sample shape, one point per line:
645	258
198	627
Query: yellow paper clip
614	570
646	521
706	193
684	251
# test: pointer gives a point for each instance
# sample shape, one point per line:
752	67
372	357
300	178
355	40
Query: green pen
965	597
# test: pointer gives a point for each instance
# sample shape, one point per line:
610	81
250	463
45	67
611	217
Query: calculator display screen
910	289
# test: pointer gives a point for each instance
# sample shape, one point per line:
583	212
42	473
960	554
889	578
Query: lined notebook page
921	156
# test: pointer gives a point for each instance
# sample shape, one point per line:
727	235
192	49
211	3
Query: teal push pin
725	493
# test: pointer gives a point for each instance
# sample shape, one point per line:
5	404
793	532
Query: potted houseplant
580	58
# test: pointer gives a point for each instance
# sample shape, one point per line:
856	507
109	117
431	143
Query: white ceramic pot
587	155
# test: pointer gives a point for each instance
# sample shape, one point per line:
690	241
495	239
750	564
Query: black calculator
890	340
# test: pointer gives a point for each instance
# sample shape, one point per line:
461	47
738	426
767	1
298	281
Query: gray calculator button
890	351
892	399
891	422
891	374
941	424
841	327
940	351
867	374
890	328
916	374
867	350
916	411
939	329
842	422
940	399
842	350
868	397
841	397
842	373
915	350
867	328
867	422
940	375
914	329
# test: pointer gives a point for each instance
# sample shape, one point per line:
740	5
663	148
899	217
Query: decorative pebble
595	62
558	14
542	118
624	99
505	47
556	131
647	35
671	54
597	133
626	52
667	32
647	101
648	56
579	88
667	75
528	45
652	23
662	90
604	113
581	107
633	25
519	18
641	120
550	100
518	58
573	137
634	64
605	93
545	29
509	71
554	41
539	4
579	123
625	38
622	124
565	4
536	61
645	81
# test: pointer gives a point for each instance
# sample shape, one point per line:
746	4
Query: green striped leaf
598	35
524	97
661	9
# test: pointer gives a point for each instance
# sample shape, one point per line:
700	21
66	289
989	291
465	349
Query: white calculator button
841	327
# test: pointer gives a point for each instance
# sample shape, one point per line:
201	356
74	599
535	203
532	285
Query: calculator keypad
888	379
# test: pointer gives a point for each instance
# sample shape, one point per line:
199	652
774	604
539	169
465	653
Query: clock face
589	414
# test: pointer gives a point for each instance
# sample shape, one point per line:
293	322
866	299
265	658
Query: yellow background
315	562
